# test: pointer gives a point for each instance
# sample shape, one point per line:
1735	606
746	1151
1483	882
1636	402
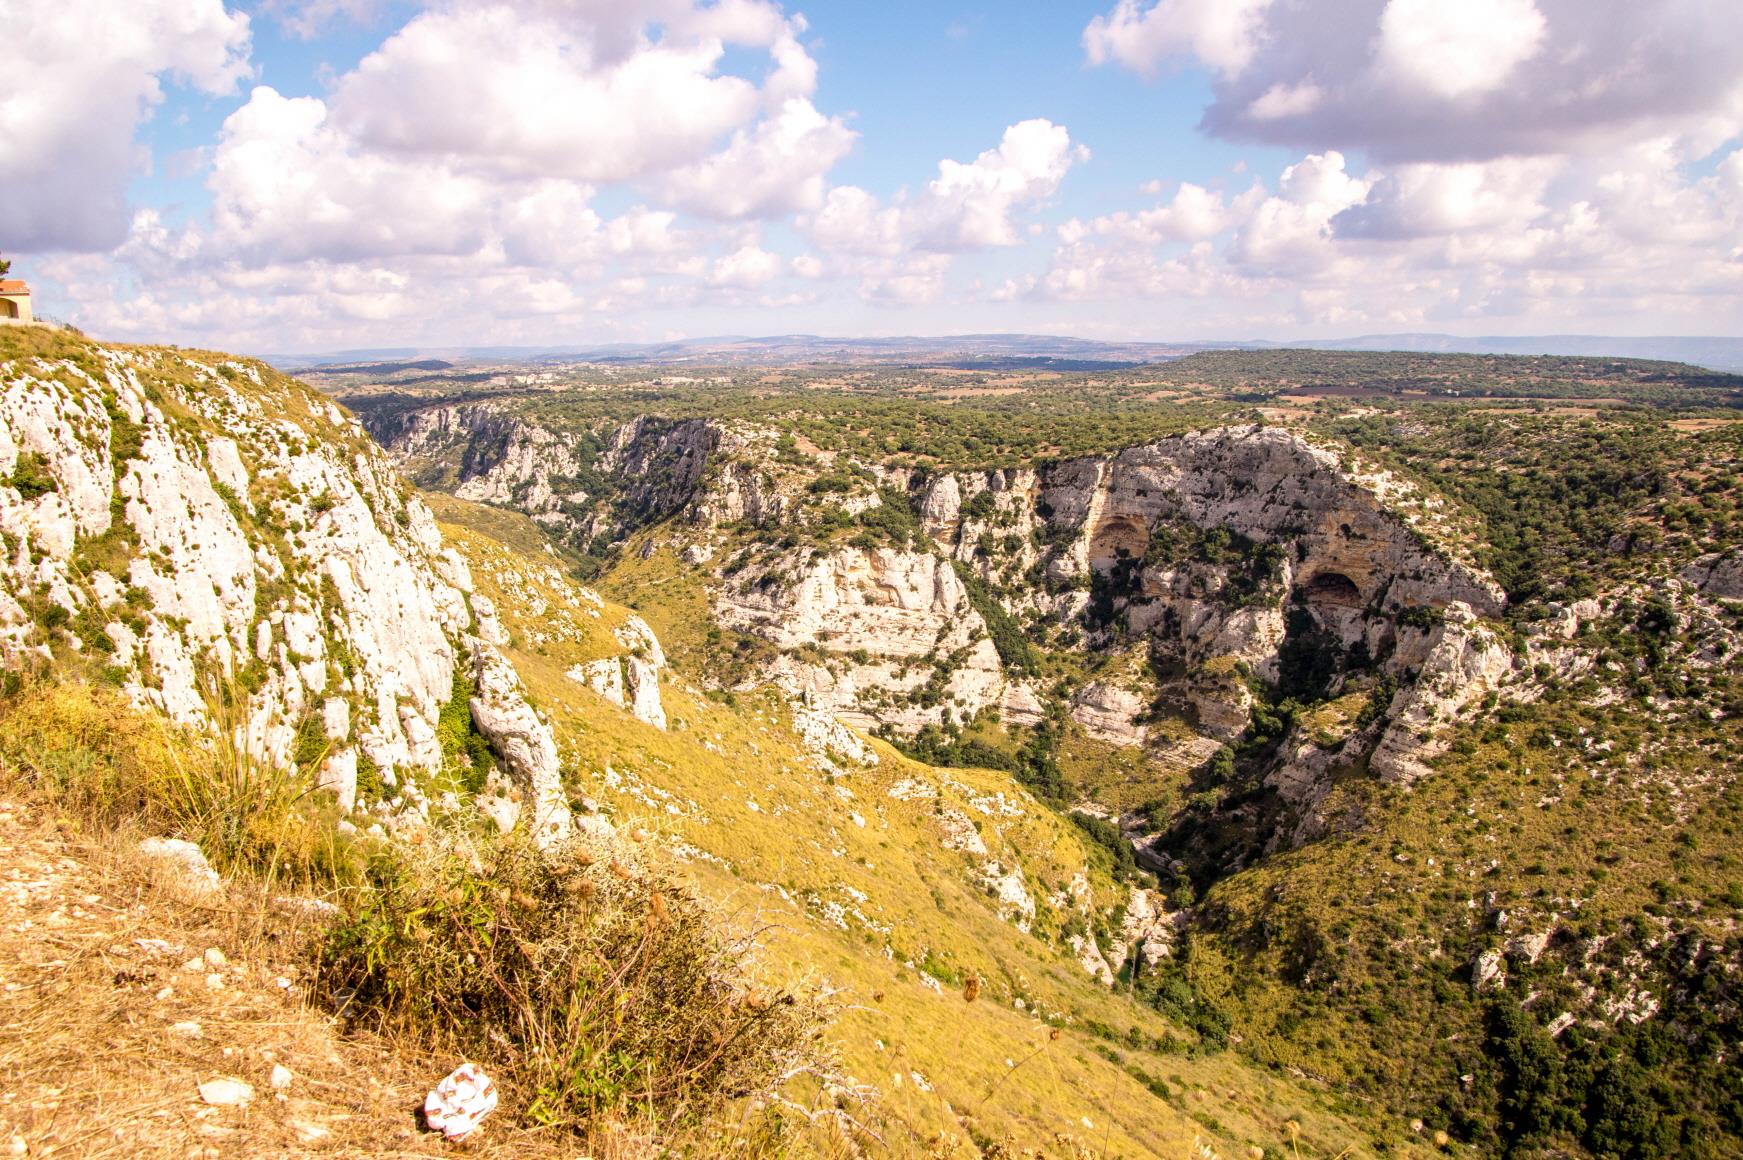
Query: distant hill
1006	351
1719	354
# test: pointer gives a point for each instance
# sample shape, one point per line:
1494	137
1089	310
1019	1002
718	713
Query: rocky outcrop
206	532
184	865
522	739
660	463
1088	955
642	686
1109	713
941	509
1011	893
895	603
1147	930
1223	550
630	681
833	746
1718	574
1464	661
485	453
904	643
531	459
604	676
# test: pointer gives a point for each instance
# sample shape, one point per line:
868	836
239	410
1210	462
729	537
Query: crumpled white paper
460	1101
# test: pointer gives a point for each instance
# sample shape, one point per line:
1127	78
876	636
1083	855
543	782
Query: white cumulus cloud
287	186
503	88
1222	33
775	168
970	205
1445	81
79	78
1458	50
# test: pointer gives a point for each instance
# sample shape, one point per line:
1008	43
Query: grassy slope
832	899
123	991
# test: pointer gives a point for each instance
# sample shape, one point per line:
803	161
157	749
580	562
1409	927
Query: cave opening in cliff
1332	589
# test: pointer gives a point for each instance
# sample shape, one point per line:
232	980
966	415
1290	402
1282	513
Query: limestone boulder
522	740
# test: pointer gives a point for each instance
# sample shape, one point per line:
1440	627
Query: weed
592	990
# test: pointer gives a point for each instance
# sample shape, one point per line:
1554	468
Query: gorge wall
1155	595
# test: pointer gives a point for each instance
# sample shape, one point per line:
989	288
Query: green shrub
1008	638
464	750
30	476
589	988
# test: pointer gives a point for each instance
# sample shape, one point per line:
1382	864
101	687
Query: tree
5	267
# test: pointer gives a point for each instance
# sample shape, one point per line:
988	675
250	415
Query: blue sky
312	174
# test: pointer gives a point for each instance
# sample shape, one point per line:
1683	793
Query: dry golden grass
115	961
592	987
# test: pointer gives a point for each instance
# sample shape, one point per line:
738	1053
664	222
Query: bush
93	755
465	751
31	476
589	988
1012	645
1107	835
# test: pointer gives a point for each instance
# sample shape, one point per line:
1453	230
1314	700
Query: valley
1265	753
1359	661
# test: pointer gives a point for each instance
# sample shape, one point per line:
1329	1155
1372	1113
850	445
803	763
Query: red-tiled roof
14	287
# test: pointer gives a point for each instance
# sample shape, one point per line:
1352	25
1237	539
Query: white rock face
642	685
635	635
829	741
1090	958
941	510
338	774
960	833
1108	713
906	611
883	600
630	681
1465	662
1354	544
1529	947
1147	930
603	676
522	739
237	536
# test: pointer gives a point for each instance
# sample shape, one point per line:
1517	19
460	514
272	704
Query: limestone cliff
1226	556
224	544
1223	550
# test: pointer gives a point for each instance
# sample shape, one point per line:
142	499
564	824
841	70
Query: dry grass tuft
594	990
106	765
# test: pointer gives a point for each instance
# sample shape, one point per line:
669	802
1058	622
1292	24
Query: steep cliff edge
226	545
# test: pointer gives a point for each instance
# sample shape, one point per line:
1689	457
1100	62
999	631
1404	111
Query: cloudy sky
293	175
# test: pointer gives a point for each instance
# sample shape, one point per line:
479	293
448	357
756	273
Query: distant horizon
1732	361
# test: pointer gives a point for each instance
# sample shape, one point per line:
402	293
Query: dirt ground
121	994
